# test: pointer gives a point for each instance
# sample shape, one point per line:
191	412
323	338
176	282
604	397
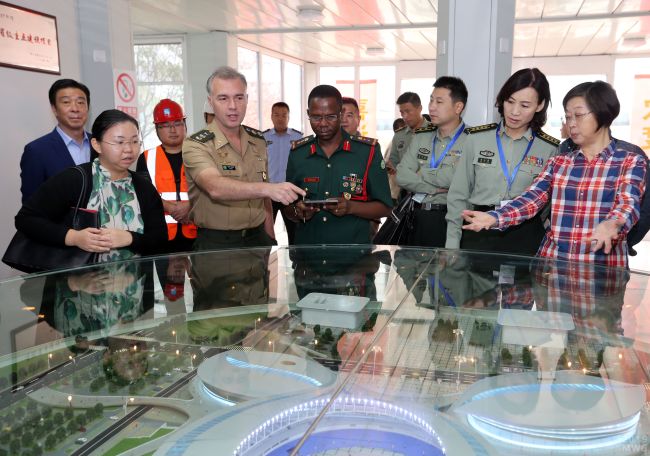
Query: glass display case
363	350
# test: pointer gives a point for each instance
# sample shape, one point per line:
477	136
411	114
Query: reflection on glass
328	350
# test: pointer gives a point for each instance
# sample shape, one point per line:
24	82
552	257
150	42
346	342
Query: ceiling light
311	13
634	41
375	50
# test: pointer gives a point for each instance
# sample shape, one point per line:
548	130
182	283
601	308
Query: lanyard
435	163
510	178
445	293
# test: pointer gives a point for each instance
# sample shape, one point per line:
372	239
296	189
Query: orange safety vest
163	178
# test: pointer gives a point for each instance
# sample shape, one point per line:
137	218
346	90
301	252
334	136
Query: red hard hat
167	111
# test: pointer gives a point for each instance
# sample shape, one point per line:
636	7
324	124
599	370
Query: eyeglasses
175	124
328	118
577	117
134	144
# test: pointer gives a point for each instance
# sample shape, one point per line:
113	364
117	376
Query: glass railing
342	350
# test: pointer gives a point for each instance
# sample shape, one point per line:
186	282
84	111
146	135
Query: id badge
507	274
419	197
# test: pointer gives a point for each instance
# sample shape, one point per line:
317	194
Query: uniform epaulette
253	132
364	139
267	130
486	127
425	129
548	138
302	142
400	128
299	132
202	136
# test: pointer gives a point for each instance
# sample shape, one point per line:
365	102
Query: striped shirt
583	194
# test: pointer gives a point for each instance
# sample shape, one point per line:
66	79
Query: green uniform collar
528	134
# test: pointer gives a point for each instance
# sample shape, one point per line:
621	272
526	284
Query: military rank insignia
202	136
229	167
485	161
486	153
347	147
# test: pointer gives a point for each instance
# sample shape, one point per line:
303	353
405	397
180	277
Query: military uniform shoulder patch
548	138
202	136
302	142
253	132
400	128
364	139
425	129
478	128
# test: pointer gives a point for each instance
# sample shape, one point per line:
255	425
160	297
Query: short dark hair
325	91
527	77
600	98
409	97
61	84
456	86
280	104
398	123
352	101
108	119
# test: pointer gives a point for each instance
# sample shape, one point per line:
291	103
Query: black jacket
41	217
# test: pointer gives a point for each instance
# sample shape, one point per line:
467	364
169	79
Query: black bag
398	224
28	255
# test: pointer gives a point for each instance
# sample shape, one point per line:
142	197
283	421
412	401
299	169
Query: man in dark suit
67	145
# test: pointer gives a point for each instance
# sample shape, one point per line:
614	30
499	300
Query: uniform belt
230	233
482	208
432	207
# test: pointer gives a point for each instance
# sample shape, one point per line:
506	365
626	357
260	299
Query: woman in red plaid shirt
594	190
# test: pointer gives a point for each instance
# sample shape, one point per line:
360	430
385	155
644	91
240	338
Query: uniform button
327	193
329	165
324	219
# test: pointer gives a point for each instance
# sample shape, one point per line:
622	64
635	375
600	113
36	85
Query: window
374	90
293	93
247	65
281	81
159	71
633	90
271	87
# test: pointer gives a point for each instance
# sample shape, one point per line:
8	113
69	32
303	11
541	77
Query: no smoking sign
125	87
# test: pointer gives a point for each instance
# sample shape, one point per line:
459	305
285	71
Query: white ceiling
406	29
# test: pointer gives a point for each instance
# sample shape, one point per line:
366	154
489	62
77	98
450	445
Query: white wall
26	112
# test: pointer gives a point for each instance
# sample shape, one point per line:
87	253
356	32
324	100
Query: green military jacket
401	142
356	168
479	179
414	172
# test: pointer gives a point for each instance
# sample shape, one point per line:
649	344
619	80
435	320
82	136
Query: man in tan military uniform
427	167
226	166
226	170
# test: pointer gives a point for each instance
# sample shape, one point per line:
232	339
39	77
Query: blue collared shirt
80	153
278	147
